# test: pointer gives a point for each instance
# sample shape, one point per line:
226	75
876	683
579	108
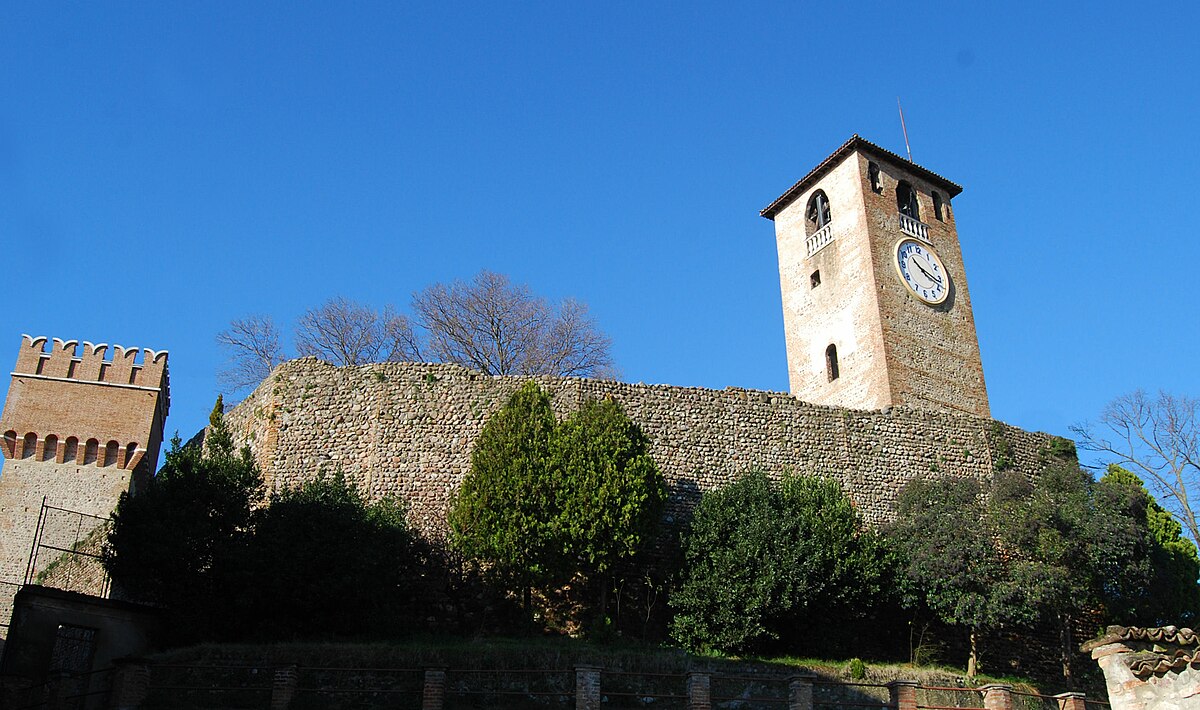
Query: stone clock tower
875	303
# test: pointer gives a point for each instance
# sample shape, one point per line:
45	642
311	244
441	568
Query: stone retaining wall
408	429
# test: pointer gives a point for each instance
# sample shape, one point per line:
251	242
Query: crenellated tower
82	424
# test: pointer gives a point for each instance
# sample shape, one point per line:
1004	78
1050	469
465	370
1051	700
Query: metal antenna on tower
903	128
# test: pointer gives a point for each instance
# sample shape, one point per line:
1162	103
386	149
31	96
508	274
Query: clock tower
875	303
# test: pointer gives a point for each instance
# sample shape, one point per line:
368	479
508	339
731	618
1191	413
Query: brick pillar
1071	701
997	697
699	691
434	695
284	687
587	688
131	685
904	694
800	693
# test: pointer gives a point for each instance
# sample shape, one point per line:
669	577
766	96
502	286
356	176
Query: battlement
67	359
87	404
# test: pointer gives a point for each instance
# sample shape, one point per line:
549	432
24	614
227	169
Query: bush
322	562
767	565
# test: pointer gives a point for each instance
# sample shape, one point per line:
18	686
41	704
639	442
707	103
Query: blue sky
165	169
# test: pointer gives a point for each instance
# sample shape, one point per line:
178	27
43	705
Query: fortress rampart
81	425
408	429
75	405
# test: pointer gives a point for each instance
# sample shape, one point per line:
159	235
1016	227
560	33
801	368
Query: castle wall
408	429
92	490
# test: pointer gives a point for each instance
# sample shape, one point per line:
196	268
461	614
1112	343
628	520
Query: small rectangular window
815	279
73	649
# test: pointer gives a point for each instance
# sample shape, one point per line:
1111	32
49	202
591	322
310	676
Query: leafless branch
252	344
345	332
1158	439
501	328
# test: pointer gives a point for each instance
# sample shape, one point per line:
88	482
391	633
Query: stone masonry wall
93	490
408	429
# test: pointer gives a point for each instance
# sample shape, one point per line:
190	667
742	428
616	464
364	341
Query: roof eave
858	143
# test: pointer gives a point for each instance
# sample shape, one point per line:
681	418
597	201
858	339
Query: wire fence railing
185	686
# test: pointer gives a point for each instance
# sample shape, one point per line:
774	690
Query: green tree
166	541
765	562
506	510
323	562
1173	597
610	493
545	502
949	562
1073	547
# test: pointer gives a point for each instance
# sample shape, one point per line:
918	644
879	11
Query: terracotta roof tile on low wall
1155	651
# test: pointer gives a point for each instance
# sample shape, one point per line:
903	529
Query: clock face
922	271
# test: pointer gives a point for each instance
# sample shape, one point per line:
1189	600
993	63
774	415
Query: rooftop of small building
860	144
1152	651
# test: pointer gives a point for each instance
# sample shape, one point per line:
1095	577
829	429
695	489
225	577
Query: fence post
284	687
433	697
131	685
587	688
699	691
904	694
800	692
1071	701
997	696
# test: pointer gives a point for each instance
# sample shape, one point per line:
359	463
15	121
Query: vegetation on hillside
551	528
315	561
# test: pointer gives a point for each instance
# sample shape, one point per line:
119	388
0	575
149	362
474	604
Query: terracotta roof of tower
856	143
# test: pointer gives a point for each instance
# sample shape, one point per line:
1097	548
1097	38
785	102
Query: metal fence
66	553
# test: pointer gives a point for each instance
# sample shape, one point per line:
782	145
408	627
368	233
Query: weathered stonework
892	349
407	429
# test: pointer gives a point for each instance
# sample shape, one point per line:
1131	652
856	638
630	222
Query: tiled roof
1169	648
856	143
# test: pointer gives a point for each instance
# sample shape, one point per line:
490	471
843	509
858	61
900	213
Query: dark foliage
322	562
547	505
774	566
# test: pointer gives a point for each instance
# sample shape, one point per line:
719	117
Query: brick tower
80	426
875	303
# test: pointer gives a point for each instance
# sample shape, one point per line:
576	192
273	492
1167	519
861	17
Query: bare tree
345	332
253	350
501	328
1159	439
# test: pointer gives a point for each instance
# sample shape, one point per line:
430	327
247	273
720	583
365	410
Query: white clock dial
922	271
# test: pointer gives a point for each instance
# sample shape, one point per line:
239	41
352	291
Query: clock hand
938	279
